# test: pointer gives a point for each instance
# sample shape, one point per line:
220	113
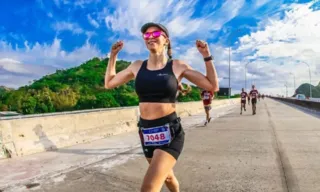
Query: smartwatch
208	58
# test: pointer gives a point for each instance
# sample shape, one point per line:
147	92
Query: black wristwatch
208	58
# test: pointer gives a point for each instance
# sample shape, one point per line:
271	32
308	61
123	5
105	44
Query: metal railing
314	105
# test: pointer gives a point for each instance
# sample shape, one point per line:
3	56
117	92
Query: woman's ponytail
169	50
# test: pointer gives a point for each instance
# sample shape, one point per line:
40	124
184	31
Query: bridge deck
277	150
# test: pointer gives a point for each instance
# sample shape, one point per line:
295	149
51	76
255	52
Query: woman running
156	83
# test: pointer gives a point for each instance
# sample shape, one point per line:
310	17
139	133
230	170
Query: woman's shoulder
180	63
135	66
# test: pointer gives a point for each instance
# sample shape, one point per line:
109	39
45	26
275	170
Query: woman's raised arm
113	79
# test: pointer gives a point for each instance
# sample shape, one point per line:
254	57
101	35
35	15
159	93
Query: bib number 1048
156	136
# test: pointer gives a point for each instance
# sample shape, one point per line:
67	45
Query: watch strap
208	58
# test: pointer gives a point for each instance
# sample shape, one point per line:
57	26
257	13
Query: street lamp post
294	83
229	91
286	89
309	78
245	74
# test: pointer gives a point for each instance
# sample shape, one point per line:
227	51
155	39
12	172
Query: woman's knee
170	178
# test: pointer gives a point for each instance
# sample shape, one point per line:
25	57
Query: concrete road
277	150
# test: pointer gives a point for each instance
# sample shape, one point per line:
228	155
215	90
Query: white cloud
67	26
92	21
228	11
11	65
260	3
178	15
82	3
294	38
133	46
34	61
75	3
280	43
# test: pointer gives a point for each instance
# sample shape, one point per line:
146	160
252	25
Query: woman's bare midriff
151	111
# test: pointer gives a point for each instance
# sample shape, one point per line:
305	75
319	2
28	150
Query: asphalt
276	150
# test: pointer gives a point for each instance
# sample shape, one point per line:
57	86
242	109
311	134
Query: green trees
305	89
77	88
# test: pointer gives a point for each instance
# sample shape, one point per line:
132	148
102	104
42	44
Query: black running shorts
254	100
175	147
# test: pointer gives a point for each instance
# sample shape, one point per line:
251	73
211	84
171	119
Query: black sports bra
159	86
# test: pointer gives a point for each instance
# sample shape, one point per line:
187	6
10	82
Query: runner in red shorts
207	97
244	96
254	94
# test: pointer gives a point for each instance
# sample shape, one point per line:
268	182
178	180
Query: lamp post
294	83
229	71
245	74
286	89
229	91
309	77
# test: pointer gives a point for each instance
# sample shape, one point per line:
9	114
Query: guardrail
28	134
314	105
315	99
64	113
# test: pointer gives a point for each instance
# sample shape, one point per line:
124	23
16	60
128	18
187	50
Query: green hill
76	88
305	89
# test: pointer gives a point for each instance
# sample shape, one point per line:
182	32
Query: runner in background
244	96
207	97
248	99
254	94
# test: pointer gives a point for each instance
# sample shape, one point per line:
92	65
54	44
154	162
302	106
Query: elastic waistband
157	122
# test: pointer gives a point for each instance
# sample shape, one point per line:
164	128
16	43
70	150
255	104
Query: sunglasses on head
154	34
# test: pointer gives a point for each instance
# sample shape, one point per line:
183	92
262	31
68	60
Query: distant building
223	91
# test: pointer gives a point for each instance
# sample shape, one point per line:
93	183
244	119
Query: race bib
156	136
206	97
243	98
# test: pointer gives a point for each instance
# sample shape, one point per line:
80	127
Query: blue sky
276	36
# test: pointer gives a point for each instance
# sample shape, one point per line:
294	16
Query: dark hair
169	51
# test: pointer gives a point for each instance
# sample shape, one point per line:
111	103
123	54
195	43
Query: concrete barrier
314	105
30	134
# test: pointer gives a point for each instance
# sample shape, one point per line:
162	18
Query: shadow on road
116	151
50	146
